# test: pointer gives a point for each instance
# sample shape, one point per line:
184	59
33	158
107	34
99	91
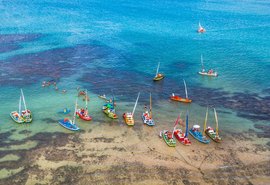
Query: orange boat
181	99
128	116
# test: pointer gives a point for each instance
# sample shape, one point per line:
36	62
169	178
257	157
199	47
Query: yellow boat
158	76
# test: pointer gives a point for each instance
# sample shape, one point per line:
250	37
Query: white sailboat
210	72
200	29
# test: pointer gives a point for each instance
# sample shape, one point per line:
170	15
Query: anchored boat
180	135
22	116
109	109
168	136
181	99
201	29
70	124
128	116
213	134
158	76
210	72
147	115
83	112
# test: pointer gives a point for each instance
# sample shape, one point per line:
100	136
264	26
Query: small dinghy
64	111
201	29
158	76
181	99
128	116
147	115
210	72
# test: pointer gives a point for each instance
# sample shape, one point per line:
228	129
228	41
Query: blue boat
67	123
70	124
195	132
147	115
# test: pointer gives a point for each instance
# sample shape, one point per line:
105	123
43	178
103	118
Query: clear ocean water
113	47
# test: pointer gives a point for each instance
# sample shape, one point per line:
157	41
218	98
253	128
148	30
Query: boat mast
186	89
86	100
175	124
20	106
23	99
202	63
74	116
216	121
136	104
157	69
200	25
186	134
205	121
150	106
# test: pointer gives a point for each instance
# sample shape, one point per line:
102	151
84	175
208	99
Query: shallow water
113	47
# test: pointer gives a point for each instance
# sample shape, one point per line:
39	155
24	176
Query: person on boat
82	111
210	71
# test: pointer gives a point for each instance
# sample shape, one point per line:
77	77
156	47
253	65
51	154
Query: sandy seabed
109	154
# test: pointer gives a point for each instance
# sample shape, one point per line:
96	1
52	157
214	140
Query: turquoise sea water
113	47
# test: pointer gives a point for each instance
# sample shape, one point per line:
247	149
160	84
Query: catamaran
201	29
210	72
70	124
180	135
158	76
179	98
109	109
22	116
83	112
213	134
147	115
168	136
128	116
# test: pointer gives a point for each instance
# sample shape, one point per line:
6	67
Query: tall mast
86	100
186	89
205	121
176	122
216	121
150	106
74	116
23	99
186	134
202	63
200	25
136	104
20	105
157	69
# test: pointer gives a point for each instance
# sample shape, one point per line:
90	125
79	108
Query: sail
23	100
150	109
157	69
186	89
136	104
20	106
186	134
74	116
205	121
216	121
200	27
202	63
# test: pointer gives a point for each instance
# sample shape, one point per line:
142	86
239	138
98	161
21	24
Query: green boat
213	134
109	110
21	116
168	138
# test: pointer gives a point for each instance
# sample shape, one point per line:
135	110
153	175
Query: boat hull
158	78
129	120
214	137
110	114
68	125
199	137
180	99
208	74
148	121
180	136
170	142
83	117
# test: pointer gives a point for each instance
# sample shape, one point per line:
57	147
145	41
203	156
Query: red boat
83	114
201	29
180	135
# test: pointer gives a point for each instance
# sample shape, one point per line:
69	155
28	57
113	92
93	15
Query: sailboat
22	116
195	132
200	29
83	113
70	124
213	134
158	76
180	135
179	98
128	116
147	115
109	109
168	136
210	72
